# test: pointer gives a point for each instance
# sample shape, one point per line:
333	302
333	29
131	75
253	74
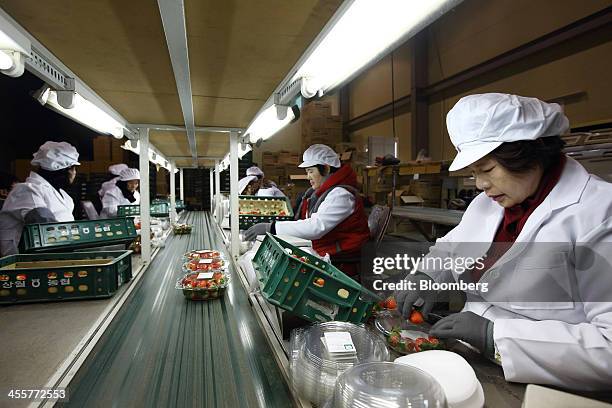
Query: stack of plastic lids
386	385
314	369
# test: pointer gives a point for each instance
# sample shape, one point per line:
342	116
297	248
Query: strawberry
390	303
394	339
416	317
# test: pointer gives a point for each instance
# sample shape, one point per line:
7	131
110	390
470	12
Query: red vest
353	232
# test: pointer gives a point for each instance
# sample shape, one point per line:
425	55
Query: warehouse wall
574	74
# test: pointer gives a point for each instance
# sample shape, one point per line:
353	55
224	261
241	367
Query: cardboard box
316	108
274	171
22	169
100	166
269	158
288	158
102	148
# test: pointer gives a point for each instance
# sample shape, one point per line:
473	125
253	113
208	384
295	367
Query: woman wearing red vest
331	213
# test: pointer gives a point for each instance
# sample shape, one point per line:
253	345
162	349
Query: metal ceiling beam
173	20
199	157
175	128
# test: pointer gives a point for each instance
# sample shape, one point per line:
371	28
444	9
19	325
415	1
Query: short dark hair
322	169
525	155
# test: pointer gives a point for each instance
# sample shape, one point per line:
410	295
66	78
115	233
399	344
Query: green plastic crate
53	277
246	221
160	210
314	290
64	236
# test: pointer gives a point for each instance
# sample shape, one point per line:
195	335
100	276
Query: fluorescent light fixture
84	112
6	62
14	46
359	34
155	156
243	148
266	124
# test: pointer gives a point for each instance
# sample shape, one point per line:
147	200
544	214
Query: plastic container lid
385	385
455	375
314	371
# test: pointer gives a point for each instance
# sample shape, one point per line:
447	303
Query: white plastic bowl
453	372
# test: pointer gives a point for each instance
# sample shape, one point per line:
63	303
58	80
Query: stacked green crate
159	209
248	220
63	276
308	286
78	234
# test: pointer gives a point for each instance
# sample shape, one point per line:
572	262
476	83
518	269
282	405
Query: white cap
244	182
254	171
320	154
479	124
129	174
116	169
54	156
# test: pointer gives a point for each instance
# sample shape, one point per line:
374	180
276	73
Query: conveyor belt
166	351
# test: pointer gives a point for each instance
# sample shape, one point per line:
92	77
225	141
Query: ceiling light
6	62
86	113
361	33
266	124
13	47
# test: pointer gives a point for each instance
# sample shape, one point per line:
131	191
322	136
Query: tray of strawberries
406	336
203	285
202	254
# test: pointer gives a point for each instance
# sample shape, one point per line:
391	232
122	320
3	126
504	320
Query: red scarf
515	218
344	176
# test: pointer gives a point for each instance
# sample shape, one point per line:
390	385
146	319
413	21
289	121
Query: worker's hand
407	298
469	327
257	229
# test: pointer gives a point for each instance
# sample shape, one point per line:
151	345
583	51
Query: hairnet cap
244	182
479	124
129	174
320	154
54	156
254	171
116	169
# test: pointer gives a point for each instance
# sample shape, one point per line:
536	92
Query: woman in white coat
125	192
114	170
543	227
42	197
266	187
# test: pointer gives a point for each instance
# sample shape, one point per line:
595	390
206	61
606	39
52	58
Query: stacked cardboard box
22	169
269	159
319	126
429	189
102	148
289	158
118	155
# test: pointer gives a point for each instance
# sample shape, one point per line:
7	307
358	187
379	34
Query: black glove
257	229
469	327
39	215
406	298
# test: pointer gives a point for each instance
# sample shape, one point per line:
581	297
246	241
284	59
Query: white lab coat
566	342
272	191
107	185
114	198
34	193
337	206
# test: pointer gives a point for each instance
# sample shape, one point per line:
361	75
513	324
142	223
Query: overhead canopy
239	51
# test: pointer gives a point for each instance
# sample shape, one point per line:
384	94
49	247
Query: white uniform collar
36	178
